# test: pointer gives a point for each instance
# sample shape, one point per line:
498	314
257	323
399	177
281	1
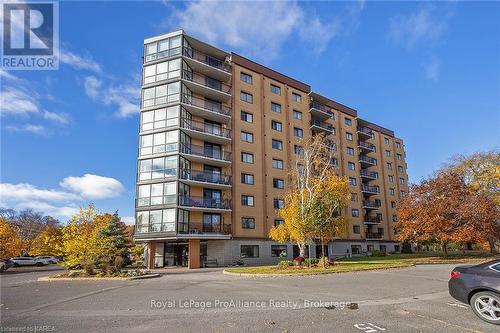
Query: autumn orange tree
48	242
10	243
445	209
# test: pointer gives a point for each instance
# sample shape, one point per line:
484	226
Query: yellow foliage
10	244
48	242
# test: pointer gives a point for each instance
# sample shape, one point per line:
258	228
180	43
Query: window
278	183
162	71
247	78
246	97
391	179
393	204
249	251
296	98
248	223
277	164
275	89
277	144
348	136
399	157
158	168
400	168
388	153
386	140
354	197
157	194
391	191
398	145
166	93
401	181
347	121
355	212
276	125
334	161
350	151
351	166
161	49
389	166
278	250
158	143
356	229
394	218
352	181
278	203
275	107
247	157
297	115
247	200
298	132
160	118
247	116
247	178
299	150
356	249
278	222
402	193
156	220
246	137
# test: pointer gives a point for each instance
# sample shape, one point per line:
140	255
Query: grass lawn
363	263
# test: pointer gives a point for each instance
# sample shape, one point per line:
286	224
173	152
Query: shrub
104	267
406	248
313	261
285	263
324	262
378	253
88	267
118	264
298	260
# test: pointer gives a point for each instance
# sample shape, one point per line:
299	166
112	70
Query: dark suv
478	286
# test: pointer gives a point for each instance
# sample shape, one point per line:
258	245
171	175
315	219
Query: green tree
116	242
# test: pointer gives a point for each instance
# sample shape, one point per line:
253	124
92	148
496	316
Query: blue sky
429	71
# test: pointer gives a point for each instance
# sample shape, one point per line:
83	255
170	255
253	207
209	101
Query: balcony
365	132
206	109
194	229
370	175
206	179
204	204
370	190
371	220
366	147
206	86
367	161
373	235
371	204
321	126
206	131
204	154
320	110
205	64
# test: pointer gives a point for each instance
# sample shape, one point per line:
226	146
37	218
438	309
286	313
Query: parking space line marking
447	323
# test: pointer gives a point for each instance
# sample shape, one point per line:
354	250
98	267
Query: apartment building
217	135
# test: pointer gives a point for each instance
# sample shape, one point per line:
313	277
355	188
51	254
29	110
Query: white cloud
125	97
426	24
79	62
432	69
29	128
93	187
61	118
258	28
23	191
16	101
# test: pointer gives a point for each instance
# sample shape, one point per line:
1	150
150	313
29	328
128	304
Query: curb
130	278
309	274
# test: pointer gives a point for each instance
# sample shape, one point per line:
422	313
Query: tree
115	239
10	243
48	243
445	209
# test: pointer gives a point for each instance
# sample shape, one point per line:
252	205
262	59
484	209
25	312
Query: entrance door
176	254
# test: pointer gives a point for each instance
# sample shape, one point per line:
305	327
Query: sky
430	71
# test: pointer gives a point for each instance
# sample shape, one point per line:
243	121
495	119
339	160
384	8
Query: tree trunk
302	250
323	252
491	242
309	256
444	246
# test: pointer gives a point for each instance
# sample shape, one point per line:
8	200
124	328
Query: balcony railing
206	81
374	235
365	130
372	219
370	189
322	124
206	105
366	145
201	202
206	128
205	177
205	152
369	174
201	228
371	204
367	159
321	107
206	59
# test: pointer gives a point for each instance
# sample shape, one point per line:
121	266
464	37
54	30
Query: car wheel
15	264
486	305
39	263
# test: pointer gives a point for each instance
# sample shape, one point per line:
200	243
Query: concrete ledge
141	277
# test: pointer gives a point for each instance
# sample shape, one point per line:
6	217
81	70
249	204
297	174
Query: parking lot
400	300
